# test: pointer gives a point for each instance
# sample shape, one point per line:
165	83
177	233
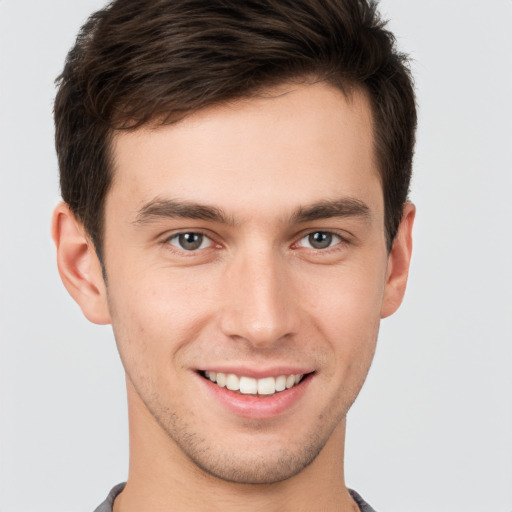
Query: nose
260	306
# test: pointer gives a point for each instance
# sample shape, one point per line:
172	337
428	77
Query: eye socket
190	241
320	240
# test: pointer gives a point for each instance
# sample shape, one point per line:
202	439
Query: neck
163	479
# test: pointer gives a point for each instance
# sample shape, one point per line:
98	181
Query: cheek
149	334
346	311
155	314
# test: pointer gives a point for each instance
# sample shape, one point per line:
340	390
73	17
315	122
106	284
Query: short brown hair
141	61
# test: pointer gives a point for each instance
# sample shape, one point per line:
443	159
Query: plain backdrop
432	428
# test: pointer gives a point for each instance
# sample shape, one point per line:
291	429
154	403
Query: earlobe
79	266
398	263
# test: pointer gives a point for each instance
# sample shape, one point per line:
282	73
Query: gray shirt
106	506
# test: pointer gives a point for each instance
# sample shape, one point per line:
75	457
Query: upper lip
258	373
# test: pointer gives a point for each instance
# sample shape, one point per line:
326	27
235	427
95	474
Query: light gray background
432	429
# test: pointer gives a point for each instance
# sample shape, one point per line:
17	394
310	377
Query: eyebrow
345	207
172	208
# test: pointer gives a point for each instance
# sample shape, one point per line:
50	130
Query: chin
261	468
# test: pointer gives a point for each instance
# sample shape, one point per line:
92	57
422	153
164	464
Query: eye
320	240
190	241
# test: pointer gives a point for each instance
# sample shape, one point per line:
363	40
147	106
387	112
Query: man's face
248	241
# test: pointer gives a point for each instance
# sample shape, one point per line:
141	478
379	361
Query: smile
251	386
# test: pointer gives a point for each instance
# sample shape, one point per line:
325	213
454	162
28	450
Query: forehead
285	147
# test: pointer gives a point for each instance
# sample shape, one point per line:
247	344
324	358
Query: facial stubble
273	464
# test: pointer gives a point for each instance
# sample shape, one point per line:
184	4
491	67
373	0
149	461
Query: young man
235	179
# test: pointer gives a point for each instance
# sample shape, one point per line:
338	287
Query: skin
256	294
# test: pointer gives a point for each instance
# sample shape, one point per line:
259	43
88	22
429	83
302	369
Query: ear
398	263
79	266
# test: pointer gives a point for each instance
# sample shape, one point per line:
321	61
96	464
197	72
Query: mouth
257	394
245	385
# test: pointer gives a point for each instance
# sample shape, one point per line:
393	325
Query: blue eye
320	240
190	241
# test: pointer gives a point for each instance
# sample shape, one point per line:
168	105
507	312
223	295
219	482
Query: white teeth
232	382
221	379
250	386
281	383
267	386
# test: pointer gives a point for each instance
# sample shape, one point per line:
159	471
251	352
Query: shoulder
107	505
360	502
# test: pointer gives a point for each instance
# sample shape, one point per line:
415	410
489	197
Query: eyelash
181	250
341	242
335	237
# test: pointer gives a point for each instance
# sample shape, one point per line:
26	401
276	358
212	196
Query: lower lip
258	406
